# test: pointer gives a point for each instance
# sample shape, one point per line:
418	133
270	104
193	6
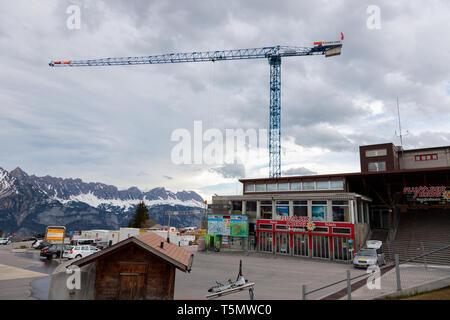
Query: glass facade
310	185
300	208
323	185
266	209
319	210
340	211
295	186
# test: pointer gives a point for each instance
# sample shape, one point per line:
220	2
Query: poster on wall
318	213
283	210
234	226
238	226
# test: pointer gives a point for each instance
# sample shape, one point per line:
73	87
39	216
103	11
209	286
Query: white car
5	241
36	244
79	252
369	256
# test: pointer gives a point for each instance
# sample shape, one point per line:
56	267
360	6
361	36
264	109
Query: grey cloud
230	171
116	116
301	171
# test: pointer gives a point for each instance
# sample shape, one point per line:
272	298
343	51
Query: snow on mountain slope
7	186
126	204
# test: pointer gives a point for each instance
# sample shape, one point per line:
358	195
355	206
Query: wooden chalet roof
173	254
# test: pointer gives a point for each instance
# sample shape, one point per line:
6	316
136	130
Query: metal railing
349	279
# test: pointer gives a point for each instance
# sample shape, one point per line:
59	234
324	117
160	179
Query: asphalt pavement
24	275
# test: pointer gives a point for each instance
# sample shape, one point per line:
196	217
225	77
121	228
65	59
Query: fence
391	278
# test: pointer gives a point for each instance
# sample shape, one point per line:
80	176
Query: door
132	280
301	245
320	247
341	248
265	242
282	243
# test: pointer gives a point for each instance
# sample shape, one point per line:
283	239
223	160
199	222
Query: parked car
101	245
36	243
80	242
369	255
53	251
73	252
42	245
5	241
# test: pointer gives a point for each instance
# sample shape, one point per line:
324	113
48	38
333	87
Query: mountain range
28	204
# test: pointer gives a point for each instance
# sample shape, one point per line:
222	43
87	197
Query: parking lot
26	275
276	277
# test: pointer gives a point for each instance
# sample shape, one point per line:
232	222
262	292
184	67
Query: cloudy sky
114	124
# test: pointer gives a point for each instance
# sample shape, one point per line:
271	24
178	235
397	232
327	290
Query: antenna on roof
400	126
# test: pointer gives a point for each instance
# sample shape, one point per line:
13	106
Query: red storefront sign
303	225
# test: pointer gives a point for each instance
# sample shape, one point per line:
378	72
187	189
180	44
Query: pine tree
140	217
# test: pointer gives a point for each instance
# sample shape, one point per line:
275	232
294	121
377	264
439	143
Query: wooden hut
141	267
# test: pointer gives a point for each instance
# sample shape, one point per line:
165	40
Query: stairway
421	231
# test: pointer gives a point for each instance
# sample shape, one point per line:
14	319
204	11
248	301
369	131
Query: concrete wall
58	283
408	158
361	233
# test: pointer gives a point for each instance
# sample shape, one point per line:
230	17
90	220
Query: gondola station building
329	216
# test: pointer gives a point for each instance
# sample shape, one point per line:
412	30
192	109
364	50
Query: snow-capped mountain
29	203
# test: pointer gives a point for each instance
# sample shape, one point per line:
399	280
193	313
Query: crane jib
273	54
237	54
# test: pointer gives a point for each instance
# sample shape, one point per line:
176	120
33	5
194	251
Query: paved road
275	277
20	270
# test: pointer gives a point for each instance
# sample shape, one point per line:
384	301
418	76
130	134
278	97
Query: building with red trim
330	216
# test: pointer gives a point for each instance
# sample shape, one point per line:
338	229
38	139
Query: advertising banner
234	226
238	226
283	210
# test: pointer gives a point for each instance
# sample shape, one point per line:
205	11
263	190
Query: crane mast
273	54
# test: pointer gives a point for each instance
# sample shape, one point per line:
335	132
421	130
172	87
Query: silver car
5	241
369	256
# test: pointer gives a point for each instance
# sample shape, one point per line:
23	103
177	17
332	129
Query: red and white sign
426	157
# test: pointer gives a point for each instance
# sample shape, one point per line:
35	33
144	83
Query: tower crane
272	54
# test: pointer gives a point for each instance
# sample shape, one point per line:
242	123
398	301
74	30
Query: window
283	187
360	215
250	208
319	211
323	185
337	184
296	186
282	208
271	187
266	209
342	230
321	229
377	166
366	211
376	153
249	188
264	226
309	185
340	211
300	208
236	206
260	187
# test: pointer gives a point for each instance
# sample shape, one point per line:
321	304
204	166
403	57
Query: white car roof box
373	244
